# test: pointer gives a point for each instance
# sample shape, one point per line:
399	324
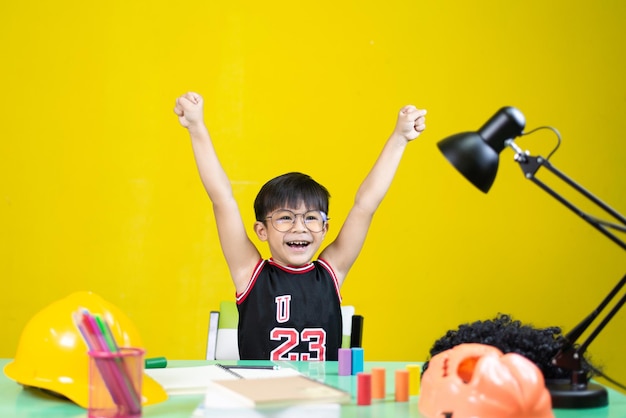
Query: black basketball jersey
290	313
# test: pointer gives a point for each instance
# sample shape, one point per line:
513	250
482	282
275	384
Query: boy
289	305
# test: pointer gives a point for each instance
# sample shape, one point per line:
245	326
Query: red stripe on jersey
255	275
330	270
292	269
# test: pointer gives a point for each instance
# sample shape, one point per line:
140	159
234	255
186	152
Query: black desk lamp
476	156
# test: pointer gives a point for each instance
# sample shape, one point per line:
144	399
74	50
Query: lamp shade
476	154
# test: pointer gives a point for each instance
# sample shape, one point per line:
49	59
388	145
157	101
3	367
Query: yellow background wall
99	191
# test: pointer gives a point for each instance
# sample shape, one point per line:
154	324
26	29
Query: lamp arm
569	356
609	224
602	324
531	164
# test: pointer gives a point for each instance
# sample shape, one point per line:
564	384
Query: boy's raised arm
343	252
240	253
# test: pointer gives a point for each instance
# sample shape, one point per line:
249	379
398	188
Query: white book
196	380
295	396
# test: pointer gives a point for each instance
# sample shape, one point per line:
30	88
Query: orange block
378	383
402	385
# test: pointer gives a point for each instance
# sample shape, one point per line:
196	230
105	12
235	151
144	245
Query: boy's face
295	247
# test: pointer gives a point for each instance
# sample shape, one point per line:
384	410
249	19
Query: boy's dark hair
539	345
290	189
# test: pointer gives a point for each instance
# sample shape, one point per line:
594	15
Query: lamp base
568	396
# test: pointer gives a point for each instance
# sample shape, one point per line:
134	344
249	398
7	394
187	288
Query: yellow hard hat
52	354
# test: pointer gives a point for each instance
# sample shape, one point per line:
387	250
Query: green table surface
18	402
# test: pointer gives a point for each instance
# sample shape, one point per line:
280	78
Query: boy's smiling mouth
298	244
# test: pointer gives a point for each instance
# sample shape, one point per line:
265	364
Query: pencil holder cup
115	380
